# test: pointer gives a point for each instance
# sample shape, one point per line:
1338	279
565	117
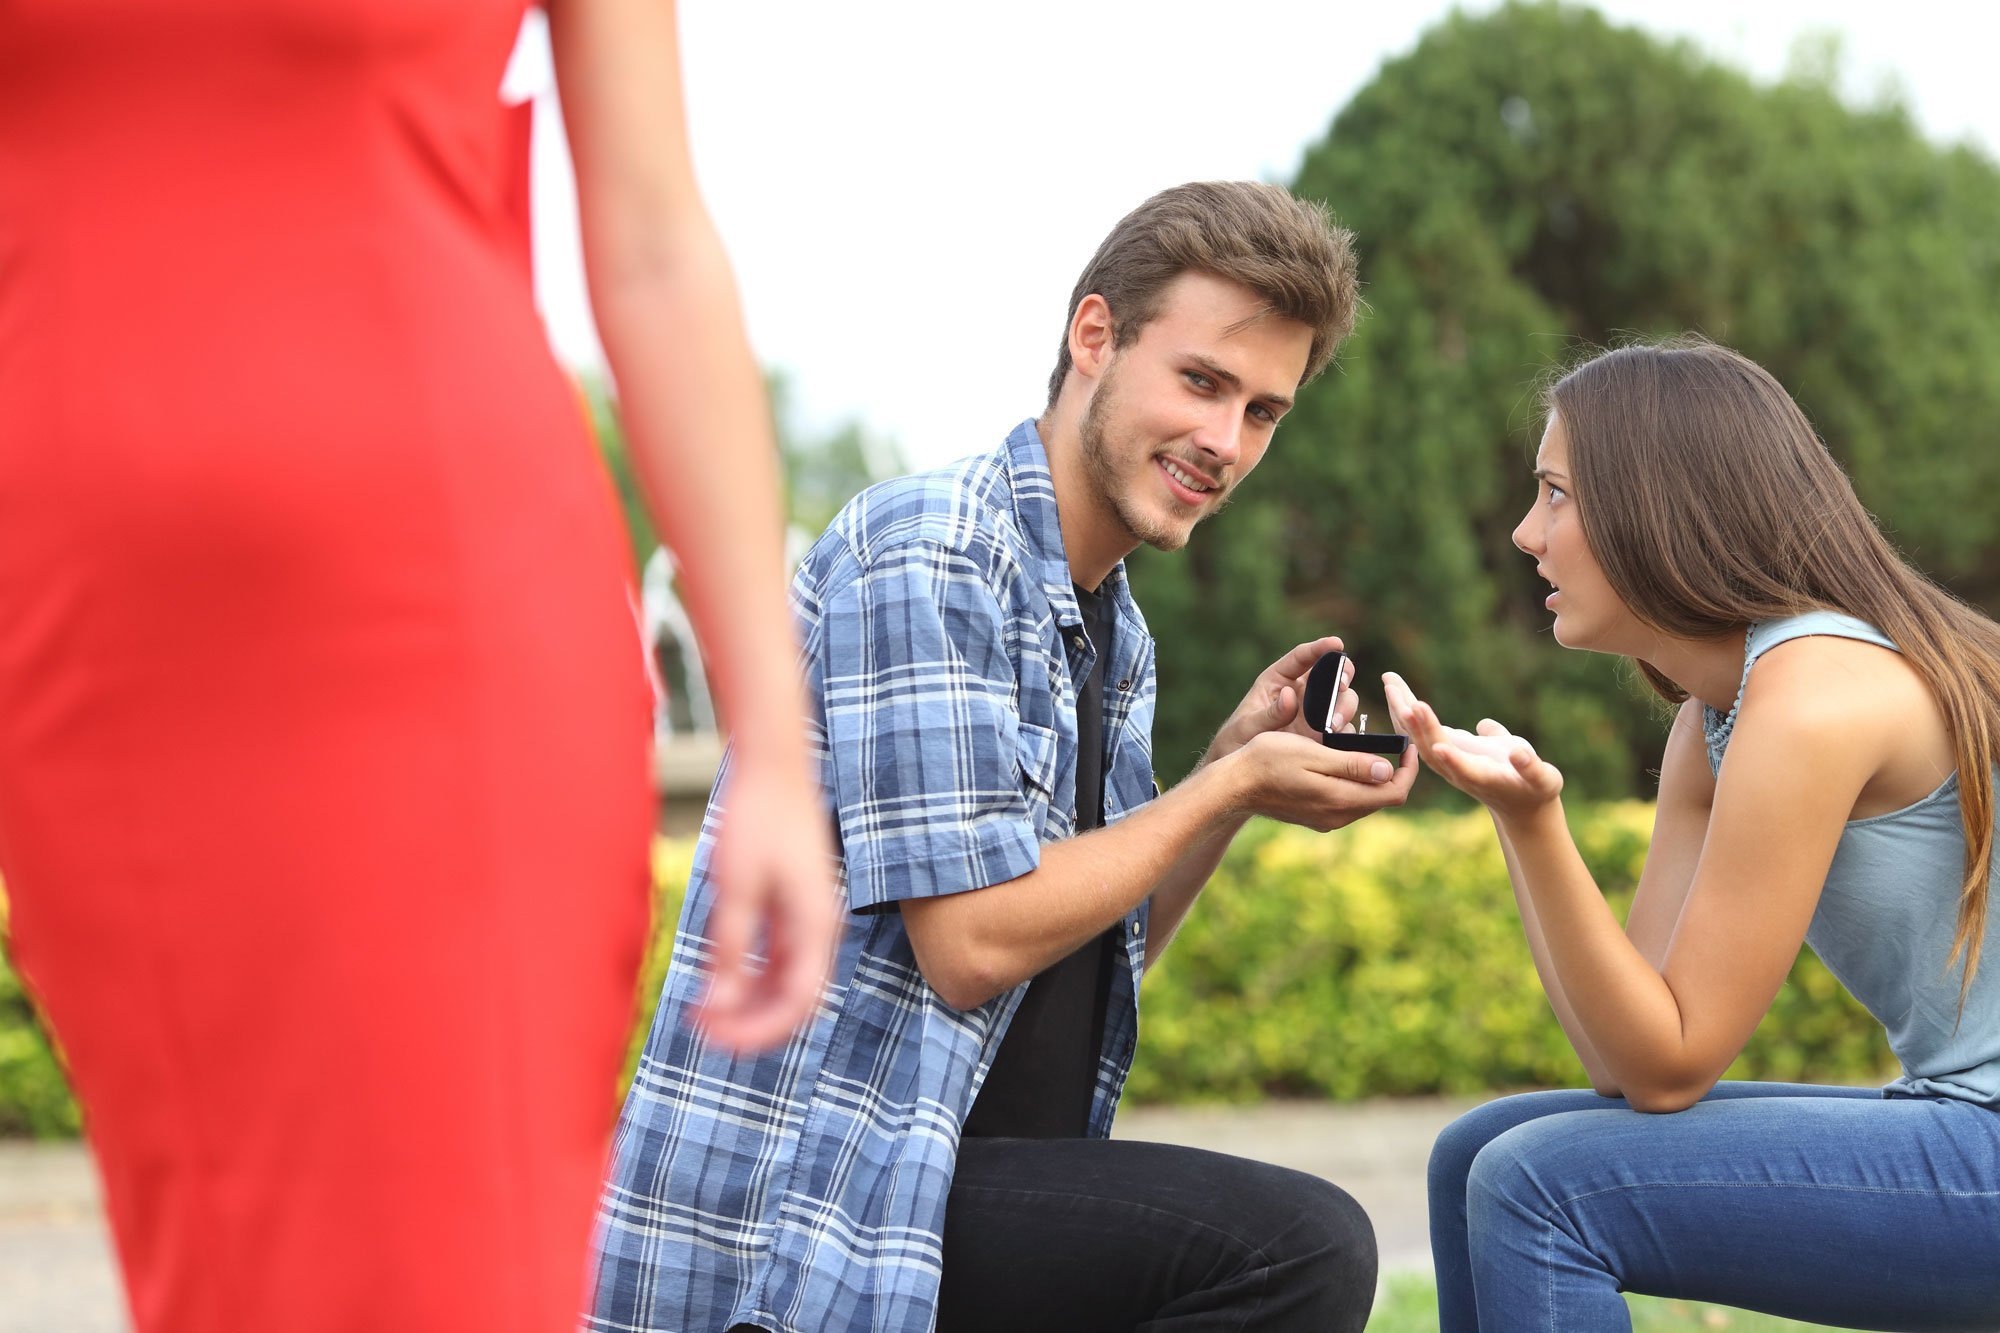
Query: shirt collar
1035	509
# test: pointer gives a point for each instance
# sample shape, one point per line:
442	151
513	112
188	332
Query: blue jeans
1831	1205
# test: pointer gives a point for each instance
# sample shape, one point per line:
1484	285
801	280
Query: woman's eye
1556	493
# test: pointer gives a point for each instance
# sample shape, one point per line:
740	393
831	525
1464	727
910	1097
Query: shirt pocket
1040	756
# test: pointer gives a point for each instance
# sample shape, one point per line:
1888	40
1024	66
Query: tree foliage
1523	185
820	469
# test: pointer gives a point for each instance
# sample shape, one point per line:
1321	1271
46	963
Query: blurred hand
1300	781
1274	700
1492	765
775	888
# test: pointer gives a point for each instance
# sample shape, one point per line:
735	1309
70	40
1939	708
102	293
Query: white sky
909	189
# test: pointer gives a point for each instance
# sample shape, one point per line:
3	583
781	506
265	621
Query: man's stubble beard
1101	468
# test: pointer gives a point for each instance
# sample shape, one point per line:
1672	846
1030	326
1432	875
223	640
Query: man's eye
1199	381
1263	413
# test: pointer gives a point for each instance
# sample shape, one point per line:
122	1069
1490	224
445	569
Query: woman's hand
1493	766
776	897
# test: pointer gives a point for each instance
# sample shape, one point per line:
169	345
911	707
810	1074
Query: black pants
1090	1235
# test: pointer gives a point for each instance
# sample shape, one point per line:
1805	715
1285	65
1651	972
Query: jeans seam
1549	1261
1770	1185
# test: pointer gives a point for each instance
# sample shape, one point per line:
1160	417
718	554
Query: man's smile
1188	485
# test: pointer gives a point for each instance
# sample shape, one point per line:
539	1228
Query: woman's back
246	226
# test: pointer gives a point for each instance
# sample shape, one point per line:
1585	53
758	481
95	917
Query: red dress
323	794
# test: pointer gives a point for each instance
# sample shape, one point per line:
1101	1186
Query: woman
1828	778
324	804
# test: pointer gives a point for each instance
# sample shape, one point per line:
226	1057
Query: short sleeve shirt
804	1188
1041	1082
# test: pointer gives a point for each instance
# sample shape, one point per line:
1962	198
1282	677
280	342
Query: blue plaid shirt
804	1189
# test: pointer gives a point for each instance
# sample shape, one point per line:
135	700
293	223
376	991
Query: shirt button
1135	928
1125	685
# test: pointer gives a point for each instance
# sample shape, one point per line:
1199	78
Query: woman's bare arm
693	407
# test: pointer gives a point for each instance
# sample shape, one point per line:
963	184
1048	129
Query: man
932	1147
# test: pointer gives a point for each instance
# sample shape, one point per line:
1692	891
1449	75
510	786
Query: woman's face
1588	613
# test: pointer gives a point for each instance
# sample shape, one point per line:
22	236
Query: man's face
1183	413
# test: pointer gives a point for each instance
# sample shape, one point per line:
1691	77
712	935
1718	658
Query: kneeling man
932	1150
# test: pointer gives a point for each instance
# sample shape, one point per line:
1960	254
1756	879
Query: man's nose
1221	434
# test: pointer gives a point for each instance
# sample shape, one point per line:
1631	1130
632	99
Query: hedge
1382	960
1387	959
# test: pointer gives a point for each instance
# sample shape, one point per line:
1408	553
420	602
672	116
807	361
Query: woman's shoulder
1817	670
1838	702
1824	669
1823	674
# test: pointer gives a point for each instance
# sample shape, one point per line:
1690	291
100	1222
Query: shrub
1387	959
34	1095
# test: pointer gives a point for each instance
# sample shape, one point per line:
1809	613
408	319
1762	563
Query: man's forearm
1183	883
974	945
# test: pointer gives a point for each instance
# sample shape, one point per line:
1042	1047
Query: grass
1410	1306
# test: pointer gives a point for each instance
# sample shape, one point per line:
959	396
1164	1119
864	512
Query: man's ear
1091	337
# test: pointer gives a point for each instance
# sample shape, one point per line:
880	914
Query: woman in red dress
323	774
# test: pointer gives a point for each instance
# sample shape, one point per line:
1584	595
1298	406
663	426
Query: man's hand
1298	780
1273	701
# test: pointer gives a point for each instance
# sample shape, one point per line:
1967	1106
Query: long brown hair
1711	504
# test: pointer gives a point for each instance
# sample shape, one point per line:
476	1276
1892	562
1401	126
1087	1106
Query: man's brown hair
1287	250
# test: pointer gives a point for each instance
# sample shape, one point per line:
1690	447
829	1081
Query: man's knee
1321	1244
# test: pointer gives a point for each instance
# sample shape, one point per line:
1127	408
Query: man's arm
974	945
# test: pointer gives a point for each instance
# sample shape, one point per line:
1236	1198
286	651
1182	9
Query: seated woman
1828	778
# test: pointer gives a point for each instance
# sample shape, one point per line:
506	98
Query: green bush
34	1095
1387	959
1383	960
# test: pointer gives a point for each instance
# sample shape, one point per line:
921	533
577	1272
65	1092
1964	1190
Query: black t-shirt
1045	1073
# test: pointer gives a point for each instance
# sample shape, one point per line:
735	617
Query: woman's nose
1527	535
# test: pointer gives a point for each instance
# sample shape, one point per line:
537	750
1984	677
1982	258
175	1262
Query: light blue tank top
1888	911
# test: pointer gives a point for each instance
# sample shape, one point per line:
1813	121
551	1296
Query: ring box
1323	693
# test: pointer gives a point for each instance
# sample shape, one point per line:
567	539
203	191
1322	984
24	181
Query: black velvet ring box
1322	693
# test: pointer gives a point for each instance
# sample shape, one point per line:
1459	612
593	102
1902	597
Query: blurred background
908	198
908	192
